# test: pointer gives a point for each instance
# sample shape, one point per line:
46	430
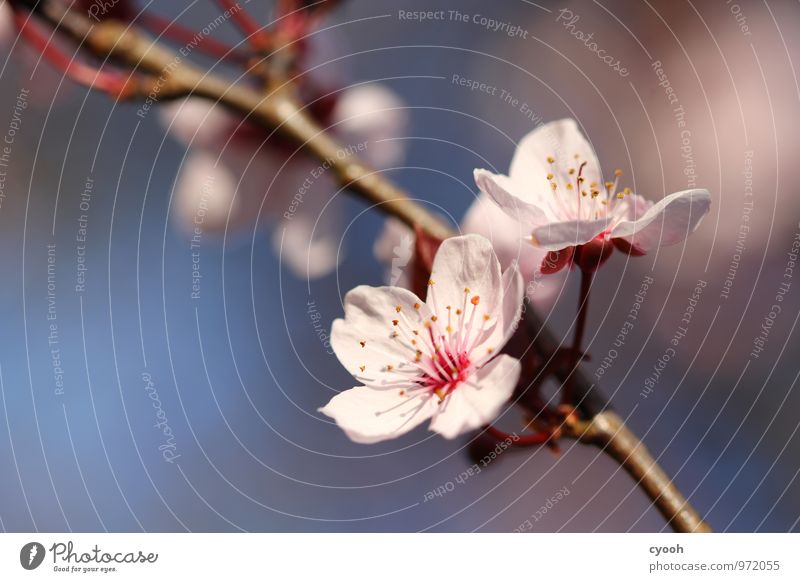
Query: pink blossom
235	176
435	359
395	249
556	190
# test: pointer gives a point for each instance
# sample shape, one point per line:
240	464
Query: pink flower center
437	354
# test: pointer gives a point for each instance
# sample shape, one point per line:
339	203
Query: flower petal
562	140
508	319
667	222
465	262
560	235
479	400
205	192
517	200
309	245
374	115
369	415
370	313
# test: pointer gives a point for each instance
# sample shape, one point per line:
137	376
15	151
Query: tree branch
278	111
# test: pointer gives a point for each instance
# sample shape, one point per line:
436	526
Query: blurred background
95	332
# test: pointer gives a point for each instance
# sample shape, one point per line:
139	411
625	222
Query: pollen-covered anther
434	318
489	350
550	160
431	282
398	309
486	317
389	368
549	176
417	306
475	300
363	344
395	322
362	368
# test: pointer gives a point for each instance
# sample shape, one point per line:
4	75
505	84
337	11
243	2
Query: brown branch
608	431
280	112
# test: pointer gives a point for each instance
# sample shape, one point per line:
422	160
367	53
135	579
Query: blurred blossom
7	32
435	359
237	176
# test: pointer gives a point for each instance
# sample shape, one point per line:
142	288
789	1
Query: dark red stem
112	83
538	438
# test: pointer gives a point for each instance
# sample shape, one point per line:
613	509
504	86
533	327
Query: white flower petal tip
555	188
434	359
668	222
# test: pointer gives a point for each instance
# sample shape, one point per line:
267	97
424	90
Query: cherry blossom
7	32
556	189
435	359
395	249
236	175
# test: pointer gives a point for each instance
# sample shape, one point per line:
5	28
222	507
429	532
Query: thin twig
279	111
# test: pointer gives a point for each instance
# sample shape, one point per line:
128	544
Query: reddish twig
256	36
538	438
174	31
113	83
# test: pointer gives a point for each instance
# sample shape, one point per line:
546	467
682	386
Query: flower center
438	355
574	199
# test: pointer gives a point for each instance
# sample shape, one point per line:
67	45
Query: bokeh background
241	372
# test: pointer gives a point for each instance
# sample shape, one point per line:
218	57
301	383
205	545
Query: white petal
668	222
511	242
205	191
474	404
375	116
7	31
560	235
561	140
517	200
196	121
368	415
368	317
507	320
461	263
309	247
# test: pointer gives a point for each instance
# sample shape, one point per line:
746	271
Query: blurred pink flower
236	175
7	29
556	190
435	359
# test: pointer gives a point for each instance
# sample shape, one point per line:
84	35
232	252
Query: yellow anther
550	159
